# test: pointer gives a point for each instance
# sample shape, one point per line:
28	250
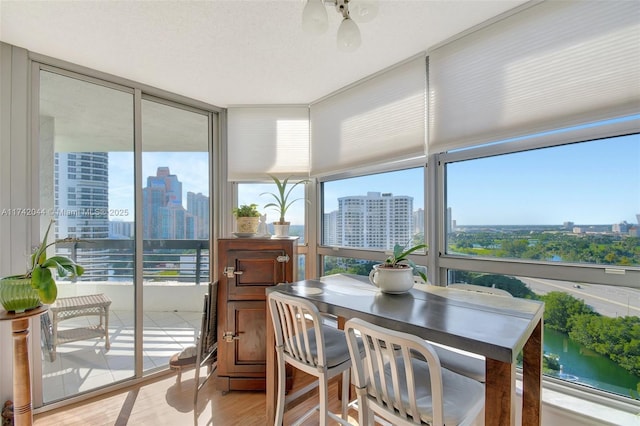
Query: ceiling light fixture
316	21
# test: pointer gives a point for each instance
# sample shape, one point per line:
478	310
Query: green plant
398	259
246	210
40	269
282	202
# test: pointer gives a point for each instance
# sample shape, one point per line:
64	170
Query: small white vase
280	230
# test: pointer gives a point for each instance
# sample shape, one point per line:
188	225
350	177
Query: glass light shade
348	36
314	17
363	11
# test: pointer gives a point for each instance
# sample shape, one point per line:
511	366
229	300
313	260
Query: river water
589	368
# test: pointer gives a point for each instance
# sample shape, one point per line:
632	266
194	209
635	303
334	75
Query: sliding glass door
175	229
127	176
86	185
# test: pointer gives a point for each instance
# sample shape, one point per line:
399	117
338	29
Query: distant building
198	208
163	213
329	228
578	230
418	221
81	194
376	220
81	200
567	225
620	228
121	230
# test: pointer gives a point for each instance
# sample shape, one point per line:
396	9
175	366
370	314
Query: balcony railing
163	260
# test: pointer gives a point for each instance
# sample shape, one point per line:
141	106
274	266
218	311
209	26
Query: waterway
589	368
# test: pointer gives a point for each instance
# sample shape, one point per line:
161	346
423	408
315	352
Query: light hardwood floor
164	402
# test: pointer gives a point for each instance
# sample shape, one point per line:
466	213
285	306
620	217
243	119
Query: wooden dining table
496	327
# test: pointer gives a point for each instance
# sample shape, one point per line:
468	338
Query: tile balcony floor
85	365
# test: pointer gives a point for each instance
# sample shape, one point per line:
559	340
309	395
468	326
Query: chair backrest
298	329
386	370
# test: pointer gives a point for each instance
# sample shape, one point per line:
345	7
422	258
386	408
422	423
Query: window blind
382	119
552	65
267	140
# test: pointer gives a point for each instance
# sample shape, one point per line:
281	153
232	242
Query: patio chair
304	342
399	378
204	352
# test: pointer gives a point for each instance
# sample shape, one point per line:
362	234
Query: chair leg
281	385
346	375
364	414
324	400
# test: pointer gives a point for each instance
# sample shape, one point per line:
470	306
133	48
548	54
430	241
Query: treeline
550	246
616	338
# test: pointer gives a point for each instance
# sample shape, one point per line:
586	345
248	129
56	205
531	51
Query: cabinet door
243	352
253	271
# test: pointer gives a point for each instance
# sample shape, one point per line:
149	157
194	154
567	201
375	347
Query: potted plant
282	203
19	293
395	275
247	219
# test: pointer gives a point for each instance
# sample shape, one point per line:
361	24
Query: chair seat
471	366
460	394
335	343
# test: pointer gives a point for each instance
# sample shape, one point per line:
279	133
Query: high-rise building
81	194
329	224
198	207
163	213
81	201
376	220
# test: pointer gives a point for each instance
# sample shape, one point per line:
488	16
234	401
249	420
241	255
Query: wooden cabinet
246	266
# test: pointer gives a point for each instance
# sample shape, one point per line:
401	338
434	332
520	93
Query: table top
496	327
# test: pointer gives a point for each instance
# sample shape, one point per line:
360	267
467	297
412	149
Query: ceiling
233	52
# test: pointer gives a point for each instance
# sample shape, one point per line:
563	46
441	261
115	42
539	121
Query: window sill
567	405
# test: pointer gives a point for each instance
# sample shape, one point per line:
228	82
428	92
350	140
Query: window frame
614	275
359	253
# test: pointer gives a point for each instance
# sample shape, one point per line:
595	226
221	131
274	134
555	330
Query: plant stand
22	413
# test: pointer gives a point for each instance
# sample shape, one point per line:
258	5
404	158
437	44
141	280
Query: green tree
560	307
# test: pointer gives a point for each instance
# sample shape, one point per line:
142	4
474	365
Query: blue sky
594	183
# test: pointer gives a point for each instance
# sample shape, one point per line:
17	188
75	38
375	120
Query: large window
364	217
259	193
564	220
575	203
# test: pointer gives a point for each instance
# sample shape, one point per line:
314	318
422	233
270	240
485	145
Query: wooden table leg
22	414
532	378
272	371
500	392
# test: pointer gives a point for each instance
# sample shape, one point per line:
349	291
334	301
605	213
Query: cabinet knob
283	259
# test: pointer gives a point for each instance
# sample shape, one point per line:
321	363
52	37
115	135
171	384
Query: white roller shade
555	64
267	140
380	120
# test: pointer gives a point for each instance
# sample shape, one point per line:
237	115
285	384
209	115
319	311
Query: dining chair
399	378
306	343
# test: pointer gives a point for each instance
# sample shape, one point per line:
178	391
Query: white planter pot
280	231
392	280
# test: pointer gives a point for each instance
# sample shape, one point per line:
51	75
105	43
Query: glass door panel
175	208
86	186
